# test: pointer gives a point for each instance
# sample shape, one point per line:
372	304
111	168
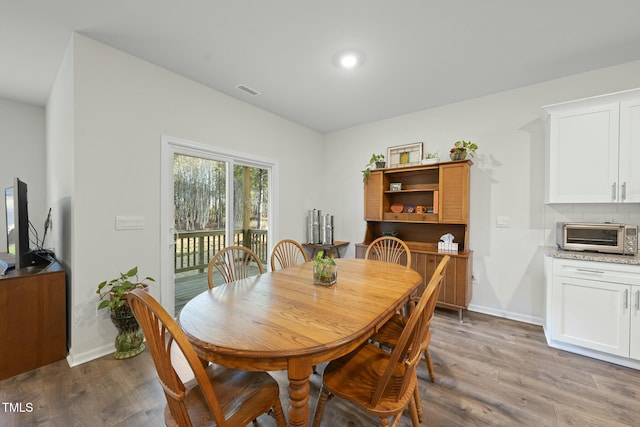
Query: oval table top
283	313
281	320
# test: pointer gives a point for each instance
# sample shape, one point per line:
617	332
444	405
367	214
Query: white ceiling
418	53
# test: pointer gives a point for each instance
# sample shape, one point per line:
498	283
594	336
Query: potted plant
130	339
377	161
460	150
325	270
430	158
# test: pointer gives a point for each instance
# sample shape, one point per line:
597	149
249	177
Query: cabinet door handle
623	192
637	300
626	299
589	271
613	191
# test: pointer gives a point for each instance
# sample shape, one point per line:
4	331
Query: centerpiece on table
325	270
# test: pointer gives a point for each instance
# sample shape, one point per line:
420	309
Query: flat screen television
17	214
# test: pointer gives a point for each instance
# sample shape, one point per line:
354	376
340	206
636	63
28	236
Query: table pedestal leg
299	372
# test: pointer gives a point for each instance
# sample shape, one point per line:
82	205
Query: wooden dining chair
389	333
233	263
217	396
390	249
383	384
288	252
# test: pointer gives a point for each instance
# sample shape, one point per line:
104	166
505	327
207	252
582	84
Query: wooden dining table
281	321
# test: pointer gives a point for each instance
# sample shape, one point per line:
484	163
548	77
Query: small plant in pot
460	150
430	158
377	161
325	270
130	339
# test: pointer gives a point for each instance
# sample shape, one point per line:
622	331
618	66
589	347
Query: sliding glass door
218	200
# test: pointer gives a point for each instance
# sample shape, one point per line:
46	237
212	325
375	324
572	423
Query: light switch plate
129	222
503	222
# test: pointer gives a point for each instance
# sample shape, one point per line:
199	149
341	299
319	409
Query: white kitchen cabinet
629	172
591	314
634	351
596	306
590	146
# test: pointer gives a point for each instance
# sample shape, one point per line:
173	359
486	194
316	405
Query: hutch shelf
423	204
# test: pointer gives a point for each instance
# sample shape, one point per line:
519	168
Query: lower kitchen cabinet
634	345
595	306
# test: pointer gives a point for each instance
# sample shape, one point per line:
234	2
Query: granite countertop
554	252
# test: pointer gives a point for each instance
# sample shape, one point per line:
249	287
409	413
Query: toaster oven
597	237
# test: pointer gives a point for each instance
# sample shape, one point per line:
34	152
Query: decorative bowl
397	207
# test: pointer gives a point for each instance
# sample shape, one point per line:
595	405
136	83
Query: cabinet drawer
601	271
390	216
415	217
423	217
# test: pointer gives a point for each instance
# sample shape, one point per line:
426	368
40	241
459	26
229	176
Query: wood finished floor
490	372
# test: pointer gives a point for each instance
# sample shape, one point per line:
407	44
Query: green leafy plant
112	292
464	147
376	161
429	155
324	269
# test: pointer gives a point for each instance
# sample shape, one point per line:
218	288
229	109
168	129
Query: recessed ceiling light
349	60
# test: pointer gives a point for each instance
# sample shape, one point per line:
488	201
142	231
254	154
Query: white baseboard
79	359
506	314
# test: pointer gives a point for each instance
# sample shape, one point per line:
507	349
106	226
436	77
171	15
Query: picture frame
404	155
395	186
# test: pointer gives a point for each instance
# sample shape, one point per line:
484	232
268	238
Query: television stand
33	333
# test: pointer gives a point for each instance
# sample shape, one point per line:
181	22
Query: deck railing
194	249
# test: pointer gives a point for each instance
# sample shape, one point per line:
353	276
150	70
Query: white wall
106	161
122	106
60	160
506	179
22	154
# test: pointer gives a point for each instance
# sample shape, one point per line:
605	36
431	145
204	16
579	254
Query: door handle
637	300
623	191
174	236
613	191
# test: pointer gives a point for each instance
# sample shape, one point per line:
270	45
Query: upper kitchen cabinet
629	153
590	147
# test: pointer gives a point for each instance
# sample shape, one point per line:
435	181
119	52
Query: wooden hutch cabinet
444	190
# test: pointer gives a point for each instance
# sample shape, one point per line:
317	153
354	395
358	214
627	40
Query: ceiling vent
248	90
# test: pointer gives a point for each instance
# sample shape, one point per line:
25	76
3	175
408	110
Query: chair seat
388	334
354	377
255	388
